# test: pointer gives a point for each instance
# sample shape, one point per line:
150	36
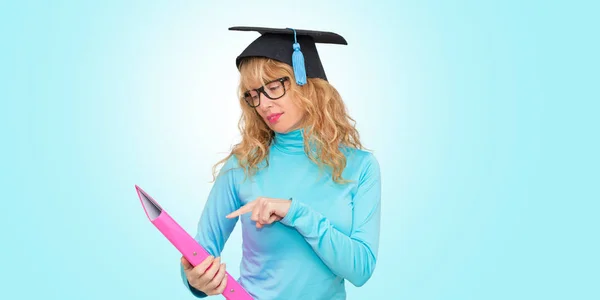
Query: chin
280	128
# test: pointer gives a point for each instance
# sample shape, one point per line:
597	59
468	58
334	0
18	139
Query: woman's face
282	114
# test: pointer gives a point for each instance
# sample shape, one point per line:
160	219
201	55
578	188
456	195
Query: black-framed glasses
273	90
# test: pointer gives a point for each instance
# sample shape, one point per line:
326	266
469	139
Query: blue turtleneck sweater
329	235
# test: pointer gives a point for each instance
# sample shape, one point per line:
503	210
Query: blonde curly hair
327	125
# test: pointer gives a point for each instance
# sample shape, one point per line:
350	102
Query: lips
272	118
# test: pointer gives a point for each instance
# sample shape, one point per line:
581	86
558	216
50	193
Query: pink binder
185	243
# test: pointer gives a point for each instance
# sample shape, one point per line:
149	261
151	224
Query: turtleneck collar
291	142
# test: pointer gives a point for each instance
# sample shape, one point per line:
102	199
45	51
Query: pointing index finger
242	210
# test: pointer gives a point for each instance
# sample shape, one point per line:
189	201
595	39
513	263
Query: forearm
351	257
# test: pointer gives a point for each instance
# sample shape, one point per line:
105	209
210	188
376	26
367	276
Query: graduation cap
295	47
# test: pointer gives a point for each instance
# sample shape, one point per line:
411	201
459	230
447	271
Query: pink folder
185	243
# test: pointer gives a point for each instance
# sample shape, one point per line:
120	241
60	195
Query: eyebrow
265	80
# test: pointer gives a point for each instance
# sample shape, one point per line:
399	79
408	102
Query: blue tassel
298	63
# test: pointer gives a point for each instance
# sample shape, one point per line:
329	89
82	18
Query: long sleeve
352	257
213	228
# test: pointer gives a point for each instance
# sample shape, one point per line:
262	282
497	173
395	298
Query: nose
265	103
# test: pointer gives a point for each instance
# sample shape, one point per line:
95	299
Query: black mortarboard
295	47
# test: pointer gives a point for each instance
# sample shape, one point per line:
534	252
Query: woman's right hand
209	276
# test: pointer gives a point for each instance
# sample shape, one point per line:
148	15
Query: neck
291	142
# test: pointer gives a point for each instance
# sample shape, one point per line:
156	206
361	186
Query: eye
273	86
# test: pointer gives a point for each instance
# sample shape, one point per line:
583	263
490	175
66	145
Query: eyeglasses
273	90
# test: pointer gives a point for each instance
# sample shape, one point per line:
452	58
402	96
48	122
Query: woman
307	195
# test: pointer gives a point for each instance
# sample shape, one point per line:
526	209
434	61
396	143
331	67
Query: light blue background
483	116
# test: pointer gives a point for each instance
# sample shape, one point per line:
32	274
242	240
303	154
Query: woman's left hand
264	210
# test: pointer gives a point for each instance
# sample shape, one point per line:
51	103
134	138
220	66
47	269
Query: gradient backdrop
483	116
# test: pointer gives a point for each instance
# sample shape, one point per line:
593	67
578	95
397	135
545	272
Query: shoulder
362	162
231	163
362	157
231	168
